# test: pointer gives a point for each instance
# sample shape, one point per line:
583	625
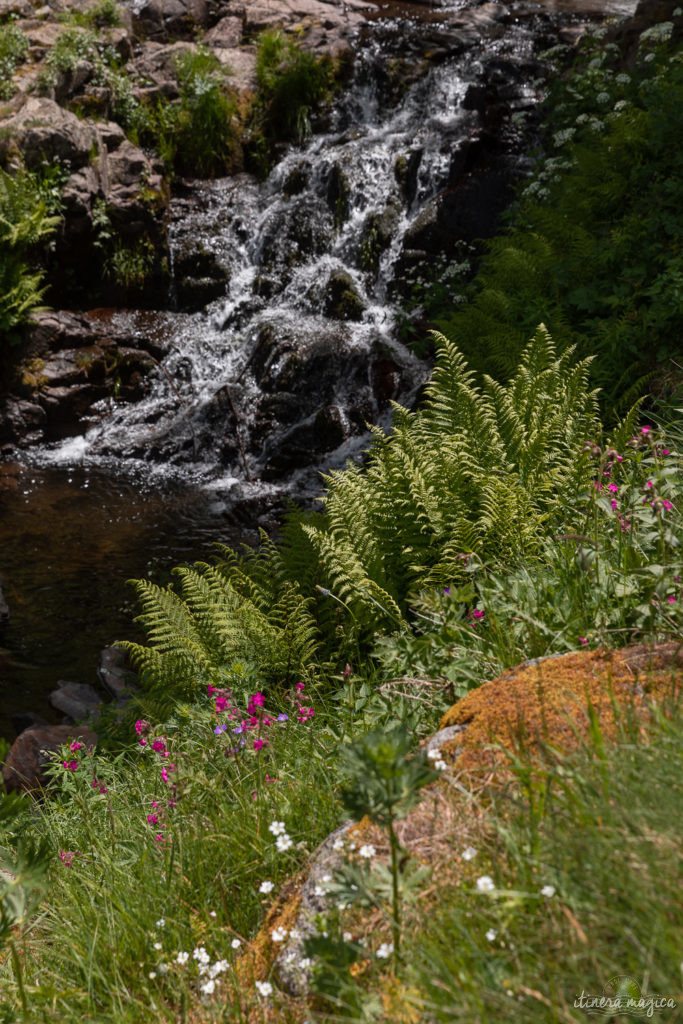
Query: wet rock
21	420
378	231
4	608
405	172
115	674
199	276
77	700
342	301
323	25
306	443
338	194
33	750
299	229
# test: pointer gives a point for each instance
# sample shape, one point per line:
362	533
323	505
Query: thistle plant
383	784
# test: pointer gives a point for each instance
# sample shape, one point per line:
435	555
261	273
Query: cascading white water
209	415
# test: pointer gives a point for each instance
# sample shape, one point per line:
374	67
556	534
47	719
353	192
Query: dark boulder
33	750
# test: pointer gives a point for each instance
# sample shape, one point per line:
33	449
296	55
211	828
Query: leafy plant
25	226
13	50
382	782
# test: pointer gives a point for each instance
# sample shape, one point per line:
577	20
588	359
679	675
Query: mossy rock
342	301
544	703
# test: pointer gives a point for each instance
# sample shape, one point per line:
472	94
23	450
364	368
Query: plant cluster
13	50
26	225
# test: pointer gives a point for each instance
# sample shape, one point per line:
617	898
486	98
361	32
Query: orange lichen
545	704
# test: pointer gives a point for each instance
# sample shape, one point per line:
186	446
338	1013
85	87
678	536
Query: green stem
19	975
396	923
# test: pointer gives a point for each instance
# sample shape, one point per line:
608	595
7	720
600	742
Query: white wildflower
338	844
548	890
278	934
163	968
208	987
236	943
157	945
326	878
264	988
152	975
440	766
319	891
367	851
266	887
485	884
277	828
295	934
469	854
305	963
385	950
182	958
342	906
434	754
347	937
283	842
161	923
491	934
212	913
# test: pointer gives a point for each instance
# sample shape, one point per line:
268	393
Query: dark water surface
69	540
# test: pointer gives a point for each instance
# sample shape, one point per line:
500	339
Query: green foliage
291	84
380	781
138	859
608	850
25	226
13	50
478	469
198	134
102	14
130	265
226	623
593	248
607	578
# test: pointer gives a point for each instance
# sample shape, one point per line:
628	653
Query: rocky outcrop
69	363
114	194
32	752
78	701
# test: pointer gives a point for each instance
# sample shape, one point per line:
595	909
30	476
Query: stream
275	377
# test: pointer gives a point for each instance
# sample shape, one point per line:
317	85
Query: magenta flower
152	819
615	504
75	745
667	504
613	488
476	614
671	599
305	713
258	744
210	690
159	746
70	766
67	857
160	838
583	641
164	774
649	484
141	726
143	743
300	687
645	430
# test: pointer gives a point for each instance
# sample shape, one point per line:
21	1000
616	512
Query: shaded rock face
113	187
32	751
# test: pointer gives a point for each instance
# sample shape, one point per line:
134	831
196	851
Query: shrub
13	50
25	226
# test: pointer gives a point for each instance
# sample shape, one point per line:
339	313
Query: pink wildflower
159	746
258	744
75	745
671	599
221	704
164	774
70	766
210	690
305	713
257	700
476	614
160	838
649	484
613	488
615	504
347	669
141	726
152	819
143	743
645	430
300	687
67	857
269	778
583	641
